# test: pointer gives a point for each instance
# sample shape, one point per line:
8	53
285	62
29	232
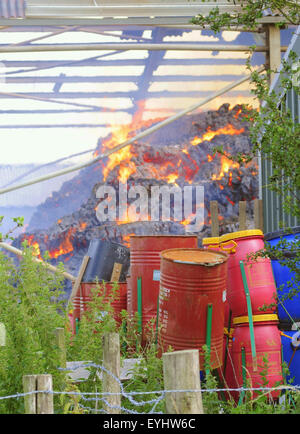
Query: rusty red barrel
115	293
191	303
259	274
266	370
145	273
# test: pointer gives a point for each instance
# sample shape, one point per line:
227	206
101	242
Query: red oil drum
145	265
191	307
268	345
118	304
258	271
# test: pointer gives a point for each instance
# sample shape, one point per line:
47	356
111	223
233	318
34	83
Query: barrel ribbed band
256	318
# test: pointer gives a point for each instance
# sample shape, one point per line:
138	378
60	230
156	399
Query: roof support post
274	53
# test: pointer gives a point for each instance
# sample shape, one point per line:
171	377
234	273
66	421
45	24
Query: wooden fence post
29	386
258	214
111	362
242	215
44	404
61	343
182	372
2	335
214	215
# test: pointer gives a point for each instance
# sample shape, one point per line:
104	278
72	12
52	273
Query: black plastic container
103	257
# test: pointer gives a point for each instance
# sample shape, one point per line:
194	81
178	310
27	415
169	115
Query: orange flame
82	225
126	239
210	134
36	247
238	113
171	178
123	157
65	247
226	165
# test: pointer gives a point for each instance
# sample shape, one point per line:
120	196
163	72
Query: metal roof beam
121	22
125	94
39	97
49	35
113	79
128	46
125	9
54	64
93	62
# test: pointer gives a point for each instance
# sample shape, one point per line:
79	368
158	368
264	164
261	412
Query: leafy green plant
86	345
147	376
31	308
274	132
249	15
30	302
70	402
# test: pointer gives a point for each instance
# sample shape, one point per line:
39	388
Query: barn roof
114	12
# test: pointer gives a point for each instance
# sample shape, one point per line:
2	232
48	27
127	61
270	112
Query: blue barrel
291	355
289	308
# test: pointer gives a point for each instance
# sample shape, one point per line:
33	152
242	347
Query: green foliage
274	133
249	15
29	306
212	403
147	376
19	222
95	320
31	309
86	345
276	136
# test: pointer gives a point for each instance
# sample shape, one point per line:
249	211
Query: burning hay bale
65	223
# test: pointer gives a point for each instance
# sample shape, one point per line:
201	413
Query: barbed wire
102	396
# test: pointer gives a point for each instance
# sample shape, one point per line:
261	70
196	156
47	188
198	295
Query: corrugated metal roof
12	8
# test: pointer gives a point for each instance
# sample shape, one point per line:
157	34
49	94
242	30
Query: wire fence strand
101	397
